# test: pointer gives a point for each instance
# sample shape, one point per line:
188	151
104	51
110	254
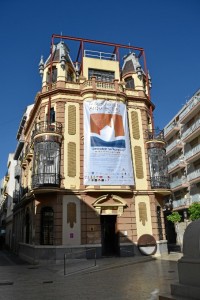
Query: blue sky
168	30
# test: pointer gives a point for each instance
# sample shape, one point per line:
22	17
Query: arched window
47	223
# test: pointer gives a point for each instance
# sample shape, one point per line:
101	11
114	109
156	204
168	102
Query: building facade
91	168
6	205
182	136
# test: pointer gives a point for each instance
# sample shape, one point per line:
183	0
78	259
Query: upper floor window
54	75
69	76
101	75
52	115
130	83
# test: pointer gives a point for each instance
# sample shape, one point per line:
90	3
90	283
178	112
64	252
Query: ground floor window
47	224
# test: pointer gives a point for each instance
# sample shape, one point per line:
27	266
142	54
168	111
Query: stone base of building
37	254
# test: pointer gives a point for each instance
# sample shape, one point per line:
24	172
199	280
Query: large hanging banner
107	155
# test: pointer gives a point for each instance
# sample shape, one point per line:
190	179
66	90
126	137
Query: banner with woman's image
107	155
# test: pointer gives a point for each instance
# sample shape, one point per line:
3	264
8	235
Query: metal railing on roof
99	55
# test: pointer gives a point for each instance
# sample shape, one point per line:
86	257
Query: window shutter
71	159
72	119
138	162
135	125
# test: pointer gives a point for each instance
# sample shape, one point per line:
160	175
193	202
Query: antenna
129	46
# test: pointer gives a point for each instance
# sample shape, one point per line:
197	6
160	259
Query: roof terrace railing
99	55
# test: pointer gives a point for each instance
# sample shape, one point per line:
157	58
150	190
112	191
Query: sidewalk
114	278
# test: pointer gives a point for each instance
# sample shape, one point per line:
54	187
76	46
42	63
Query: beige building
6	204
93	170
182	136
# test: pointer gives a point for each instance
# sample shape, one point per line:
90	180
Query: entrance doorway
109	236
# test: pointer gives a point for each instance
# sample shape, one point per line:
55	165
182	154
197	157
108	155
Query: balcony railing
175	163
178	182
45	179
155	134
192	151
181	202
102	85
46	127
191	129
173	145
170	127
99	55
193	175
193	102
160	182
195	198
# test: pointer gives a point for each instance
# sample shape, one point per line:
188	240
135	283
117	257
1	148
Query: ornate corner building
91	169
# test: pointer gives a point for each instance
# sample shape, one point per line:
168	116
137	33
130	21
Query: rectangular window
101	75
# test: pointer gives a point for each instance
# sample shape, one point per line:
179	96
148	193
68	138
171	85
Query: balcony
181	203
195	198
191	132
194	176
174	146
171	130
193	154
190	110
46	128
178	163
179	183
155	135
46	179
160	182
94	85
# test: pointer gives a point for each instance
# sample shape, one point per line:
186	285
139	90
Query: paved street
112	278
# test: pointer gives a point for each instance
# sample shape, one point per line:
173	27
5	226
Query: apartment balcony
160	182
194	198
169	131
176	164
45	180
191	132
47	129
193	154
194	176
181	203
191	110
178	184
174	147
16	196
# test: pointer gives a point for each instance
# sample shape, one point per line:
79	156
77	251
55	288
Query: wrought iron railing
46	127
160	182
45	179
155	134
